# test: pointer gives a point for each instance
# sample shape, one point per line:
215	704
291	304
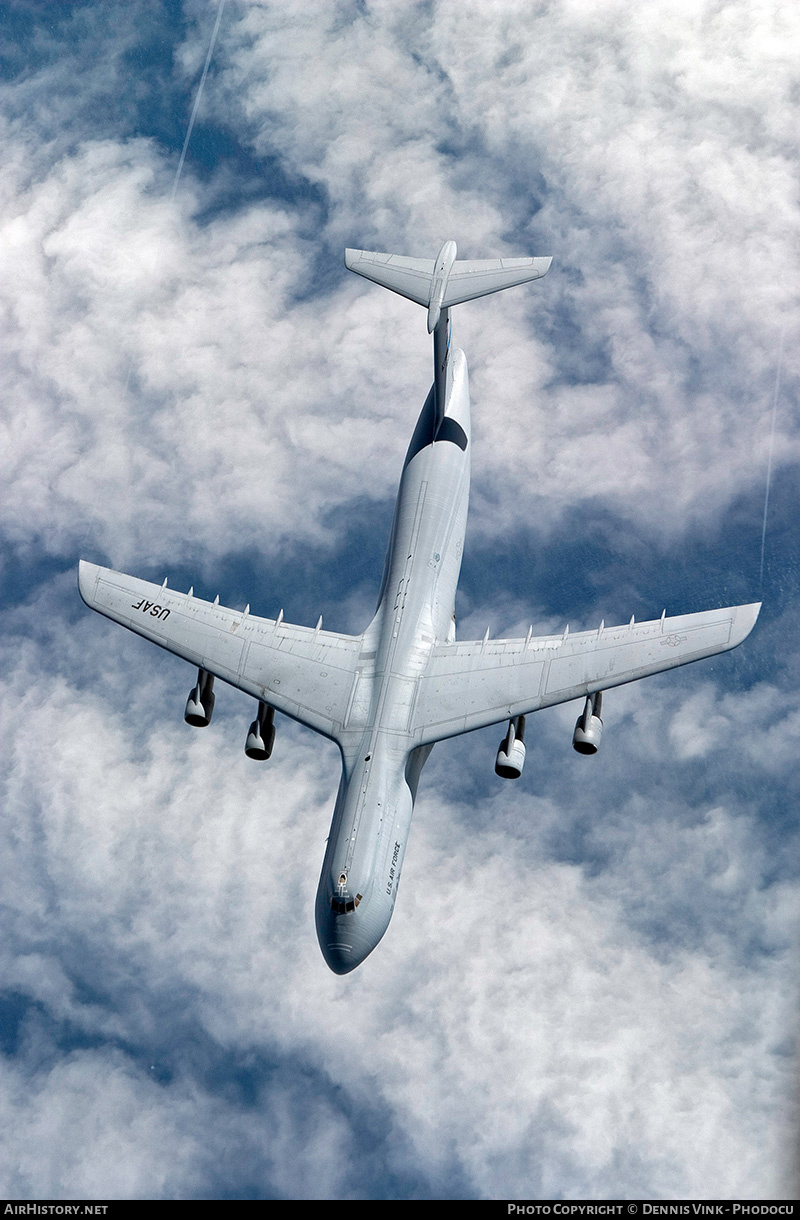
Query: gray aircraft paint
388	695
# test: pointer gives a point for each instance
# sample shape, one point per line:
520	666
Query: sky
591	983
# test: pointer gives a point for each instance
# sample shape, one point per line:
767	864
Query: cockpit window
343	905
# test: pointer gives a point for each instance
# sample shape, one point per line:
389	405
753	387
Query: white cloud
668	154
88	1128
672	227
160	384
588	985
520	1024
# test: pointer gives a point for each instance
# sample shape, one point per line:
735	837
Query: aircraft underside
387	695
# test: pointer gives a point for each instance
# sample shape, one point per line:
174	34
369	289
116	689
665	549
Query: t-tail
438	284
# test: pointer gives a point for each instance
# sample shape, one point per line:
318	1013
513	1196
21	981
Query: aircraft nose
343	943
347	937
341	956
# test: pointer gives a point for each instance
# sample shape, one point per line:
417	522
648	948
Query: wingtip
745	620
87	577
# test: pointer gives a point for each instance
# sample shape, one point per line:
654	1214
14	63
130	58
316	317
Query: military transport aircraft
387	696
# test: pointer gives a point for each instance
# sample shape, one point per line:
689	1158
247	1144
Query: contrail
197	100
769	462
214	33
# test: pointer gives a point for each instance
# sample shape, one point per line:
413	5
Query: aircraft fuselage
380	767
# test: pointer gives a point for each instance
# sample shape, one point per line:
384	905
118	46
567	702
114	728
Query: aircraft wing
305	673
473	684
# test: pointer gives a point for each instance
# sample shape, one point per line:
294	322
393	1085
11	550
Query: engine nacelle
200	704
511	755
589	726
261	734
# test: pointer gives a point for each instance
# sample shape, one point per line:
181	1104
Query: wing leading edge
307	674
473	684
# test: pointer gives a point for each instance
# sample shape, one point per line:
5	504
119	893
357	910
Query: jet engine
200	704
261	734
589	726
511	755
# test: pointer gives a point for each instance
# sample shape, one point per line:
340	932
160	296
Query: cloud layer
589	987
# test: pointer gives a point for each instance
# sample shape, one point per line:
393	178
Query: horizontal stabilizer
473	278
444	281
411	277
